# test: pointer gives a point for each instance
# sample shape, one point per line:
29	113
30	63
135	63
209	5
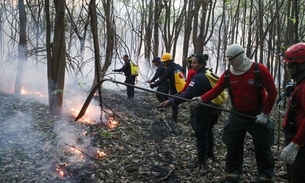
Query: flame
60	169
84	119
77	152
100	154
112	123
25	92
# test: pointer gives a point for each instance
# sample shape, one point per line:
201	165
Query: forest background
64	43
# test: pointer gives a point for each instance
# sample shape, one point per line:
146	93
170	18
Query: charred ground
146	146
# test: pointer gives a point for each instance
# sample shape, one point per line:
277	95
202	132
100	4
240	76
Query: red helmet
295	53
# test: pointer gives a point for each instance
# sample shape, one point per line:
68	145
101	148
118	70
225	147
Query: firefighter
168	75
163	87
251	98
130	79
203	118
294	121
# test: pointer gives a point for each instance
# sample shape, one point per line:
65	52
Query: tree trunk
110	28
96	45
56	69
21	47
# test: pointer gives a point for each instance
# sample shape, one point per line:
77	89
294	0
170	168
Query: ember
60	169
77	152
100	154
112	123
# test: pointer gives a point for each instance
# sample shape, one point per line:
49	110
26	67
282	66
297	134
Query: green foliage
293	20
81	84
105	134
55	92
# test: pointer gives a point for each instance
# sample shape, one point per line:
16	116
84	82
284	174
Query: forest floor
145	145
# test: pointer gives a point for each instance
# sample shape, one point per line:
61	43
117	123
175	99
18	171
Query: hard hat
295	53
166	57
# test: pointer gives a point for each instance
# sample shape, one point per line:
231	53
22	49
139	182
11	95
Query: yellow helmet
166	57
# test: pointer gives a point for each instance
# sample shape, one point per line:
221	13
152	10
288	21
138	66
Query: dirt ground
145	146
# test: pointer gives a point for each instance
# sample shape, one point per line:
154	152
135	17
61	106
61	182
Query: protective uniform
294	121
243	89
130	79
163	87
168	75
203	118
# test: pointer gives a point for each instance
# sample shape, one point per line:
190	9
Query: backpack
134	69
179	78
258	82
213	79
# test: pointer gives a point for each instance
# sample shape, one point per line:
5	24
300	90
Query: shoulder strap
292	110
258	81
227	83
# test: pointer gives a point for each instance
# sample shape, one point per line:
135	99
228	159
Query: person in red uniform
244	98
294	121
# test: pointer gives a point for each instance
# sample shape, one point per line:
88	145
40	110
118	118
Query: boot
200	163
174	119
211	154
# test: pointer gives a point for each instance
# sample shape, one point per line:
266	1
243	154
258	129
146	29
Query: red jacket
299	138
191	73
243	89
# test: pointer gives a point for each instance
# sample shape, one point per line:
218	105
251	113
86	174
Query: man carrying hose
251	97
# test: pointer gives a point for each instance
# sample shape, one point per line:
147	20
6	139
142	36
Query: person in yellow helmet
168	74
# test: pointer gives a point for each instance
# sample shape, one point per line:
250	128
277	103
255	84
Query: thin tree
57	62
21	47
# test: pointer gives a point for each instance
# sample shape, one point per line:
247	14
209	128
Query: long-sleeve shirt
243	89
159	72
299	91
168	75
126	68
199	85
191	73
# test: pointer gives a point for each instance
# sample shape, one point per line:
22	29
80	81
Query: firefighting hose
91	95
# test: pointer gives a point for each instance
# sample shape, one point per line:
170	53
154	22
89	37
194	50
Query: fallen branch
92	158
166	177
170	129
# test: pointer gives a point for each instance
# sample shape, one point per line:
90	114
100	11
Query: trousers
263	138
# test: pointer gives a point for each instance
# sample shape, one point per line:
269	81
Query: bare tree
57	62
21	47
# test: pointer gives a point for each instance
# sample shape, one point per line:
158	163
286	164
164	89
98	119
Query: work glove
289	153
151	86
261	119
195	102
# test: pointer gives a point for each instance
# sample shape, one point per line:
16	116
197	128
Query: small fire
60	169
100	154
84	119
25	92
77	152
112	123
